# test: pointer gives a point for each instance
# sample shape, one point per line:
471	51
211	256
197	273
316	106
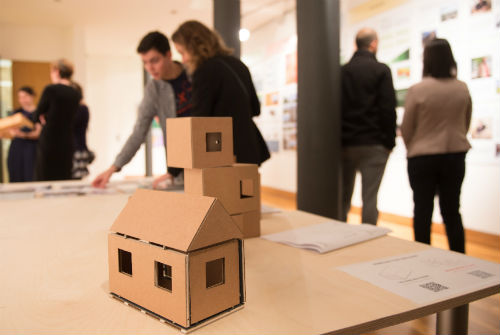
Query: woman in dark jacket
22	150
222	86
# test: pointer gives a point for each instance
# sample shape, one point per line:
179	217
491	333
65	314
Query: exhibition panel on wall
271	54
473	29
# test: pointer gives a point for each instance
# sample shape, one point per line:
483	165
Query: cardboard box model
17	120
236	186
249	223
203	146
199	142
177	257
238	189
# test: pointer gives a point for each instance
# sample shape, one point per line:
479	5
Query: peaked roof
176	220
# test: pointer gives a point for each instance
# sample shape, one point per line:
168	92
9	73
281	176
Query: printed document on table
327	236
428	275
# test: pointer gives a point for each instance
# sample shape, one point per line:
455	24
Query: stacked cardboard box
203	146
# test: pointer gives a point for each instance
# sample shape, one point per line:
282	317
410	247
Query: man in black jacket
368	123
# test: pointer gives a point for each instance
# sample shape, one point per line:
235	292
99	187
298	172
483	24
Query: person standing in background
82	156
222	86
167	95
368	124
437	117
56	111
22	150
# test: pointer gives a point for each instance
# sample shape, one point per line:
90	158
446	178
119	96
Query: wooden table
55	278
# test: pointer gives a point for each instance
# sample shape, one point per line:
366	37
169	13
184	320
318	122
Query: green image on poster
405	55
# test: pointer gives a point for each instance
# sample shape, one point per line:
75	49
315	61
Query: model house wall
140	286
216	293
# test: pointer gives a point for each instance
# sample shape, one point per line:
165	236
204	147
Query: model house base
173	324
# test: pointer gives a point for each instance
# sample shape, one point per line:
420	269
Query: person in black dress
222	86
56	112
22	150
82	156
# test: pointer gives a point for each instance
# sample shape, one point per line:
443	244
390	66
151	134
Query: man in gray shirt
167	95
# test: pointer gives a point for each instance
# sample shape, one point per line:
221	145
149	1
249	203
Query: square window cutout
215	272
214	142
125	262
163	276
246	188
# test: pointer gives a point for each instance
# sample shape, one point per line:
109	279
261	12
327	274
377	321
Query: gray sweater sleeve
147	111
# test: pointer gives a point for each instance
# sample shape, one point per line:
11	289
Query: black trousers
440	175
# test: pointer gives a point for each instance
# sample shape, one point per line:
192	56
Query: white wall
481	189
480	198
113	93
108	68
265	53
103	50
111	73
25	42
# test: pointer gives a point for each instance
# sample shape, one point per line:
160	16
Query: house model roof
176	220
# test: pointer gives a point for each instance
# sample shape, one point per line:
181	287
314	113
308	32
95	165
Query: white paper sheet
73	191
327	236
429	275
19	192
264	209
77	188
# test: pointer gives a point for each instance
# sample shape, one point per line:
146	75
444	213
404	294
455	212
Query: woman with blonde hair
221	86
56	111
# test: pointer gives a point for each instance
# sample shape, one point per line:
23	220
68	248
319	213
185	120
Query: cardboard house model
14	121
203	146
177	257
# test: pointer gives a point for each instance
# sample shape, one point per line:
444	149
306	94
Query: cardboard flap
167	218
179	142
17	120
218	226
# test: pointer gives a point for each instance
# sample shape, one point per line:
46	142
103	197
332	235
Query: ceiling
257	13
166	13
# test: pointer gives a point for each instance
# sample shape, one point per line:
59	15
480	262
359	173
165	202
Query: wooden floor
484	314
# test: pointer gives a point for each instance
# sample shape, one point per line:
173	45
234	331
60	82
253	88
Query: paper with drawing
427	275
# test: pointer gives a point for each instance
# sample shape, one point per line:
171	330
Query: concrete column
227	23
318	110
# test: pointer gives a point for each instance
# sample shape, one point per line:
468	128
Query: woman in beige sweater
435	124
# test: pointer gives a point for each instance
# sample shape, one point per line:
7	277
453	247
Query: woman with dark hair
82	156
56	112
435	125
22	150
221	86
